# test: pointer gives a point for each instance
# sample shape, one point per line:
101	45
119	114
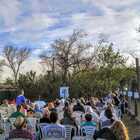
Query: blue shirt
20	100
55	131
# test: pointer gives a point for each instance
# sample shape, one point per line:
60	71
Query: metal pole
53	69
138	84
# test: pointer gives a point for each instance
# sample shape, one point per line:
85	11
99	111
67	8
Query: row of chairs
74	138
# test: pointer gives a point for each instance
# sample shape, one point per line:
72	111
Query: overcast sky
36	23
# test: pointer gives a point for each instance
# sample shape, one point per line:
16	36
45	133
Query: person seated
107	118
30	113
117	131
79	107
19	112
67	117
46	116
89	110
51	106
88	128
69	120
54	130
20	131
5	103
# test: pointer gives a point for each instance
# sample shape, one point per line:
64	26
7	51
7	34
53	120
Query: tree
109	63
14	58
70	54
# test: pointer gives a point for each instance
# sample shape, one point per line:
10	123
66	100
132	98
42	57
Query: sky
37	23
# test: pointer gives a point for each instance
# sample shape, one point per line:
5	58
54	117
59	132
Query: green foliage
108	73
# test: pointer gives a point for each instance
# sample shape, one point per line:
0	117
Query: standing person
20	99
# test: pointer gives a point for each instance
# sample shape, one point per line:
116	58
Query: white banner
64	92
136	95
130	94
124	93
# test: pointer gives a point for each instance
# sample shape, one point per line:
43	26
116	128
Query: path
133	127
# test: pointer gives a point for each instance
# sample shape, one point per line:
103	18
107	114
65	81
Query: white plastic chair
54	139
88	130
40	127
19	139
81	138
69	130
32	122
106	123
12	120
77	115
100	139
2	136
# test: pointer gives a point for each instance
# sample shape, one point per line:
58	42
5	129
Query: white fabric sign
136	95
130	94
64	92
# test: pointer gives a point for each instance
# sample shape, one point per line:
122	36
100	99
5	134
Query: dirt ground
133	127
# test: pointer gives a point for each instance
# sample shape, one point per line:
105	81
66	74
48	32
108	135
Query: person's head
82	100
22	92
20	122
50	105
19	108
57	103
78	102
88	117
30	113
66	104
46	113
5	101
109	114
120	131
53	117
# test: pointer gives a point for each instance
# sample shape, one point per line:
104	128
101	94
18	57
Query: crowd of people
87	117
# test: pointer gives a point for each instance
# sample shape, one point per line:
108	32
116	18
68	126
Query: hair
5	101
109	114
53	117
19	107
50	105
30	110
20	122
66	104
46	112
120	131
88	117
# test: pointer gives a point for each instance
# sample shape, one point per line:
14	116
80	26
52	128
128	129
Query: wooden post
138	84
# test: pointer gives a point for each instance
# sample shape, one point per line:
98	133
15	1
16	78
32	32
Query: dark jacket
79	107
105	133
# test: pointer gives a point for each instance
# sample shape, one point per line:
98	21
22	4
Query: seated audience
79	107
46	116
117	131
30	113
20	131
88	128
54	130
19	112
